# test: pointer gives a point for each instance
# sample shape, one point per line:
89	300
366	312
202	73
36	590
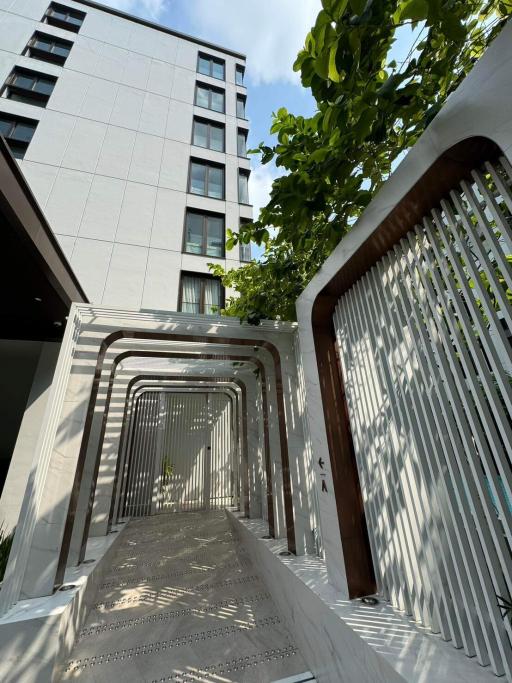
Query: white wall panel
102	209
67	200
136	216
116	152
126	276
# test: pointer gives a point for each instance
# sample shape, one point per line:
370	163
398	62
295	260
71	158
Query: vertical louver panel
425	347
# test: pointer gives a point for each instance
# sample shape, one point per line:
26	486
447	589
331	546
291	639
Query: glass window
198	178
216	182
242	143
217	101
6	127
194	230
218	70
210	98
200	134
211	66
208	134
200	294
190	294
214	236
64	17
203	65
240	106
217	138
17	132
29	86
245	252
239	75
243	187
212	296
206	179
48	48
204	234
22	80
203	97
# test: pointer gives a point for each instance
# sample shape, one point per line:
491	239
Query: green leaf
415	10
453	28
357	6
333	73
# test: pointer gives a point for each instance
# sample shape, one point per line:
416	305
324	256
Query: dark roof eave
26	217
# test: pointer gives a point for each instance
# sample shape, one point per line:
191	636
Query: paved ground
183	603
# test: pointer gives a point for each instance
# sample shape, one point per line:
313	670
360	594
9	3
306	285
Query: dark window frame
18	147
244	132
208	164
27	95
241	98
239	68
244	246
204	215
38	53
210	124
247	174
213	60
204	277
210	88
66	24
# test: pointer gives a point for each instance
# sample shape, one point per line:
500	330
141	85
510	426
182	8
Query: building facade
133	140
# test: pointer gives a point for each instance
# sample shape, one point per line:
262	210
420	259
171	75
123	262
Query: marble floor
181	602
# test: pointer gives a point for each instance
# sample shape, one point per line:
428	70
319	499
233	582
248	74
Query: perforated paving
182	602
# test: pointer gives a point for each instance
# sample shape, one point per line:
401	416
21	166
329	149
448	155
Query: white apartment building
133	139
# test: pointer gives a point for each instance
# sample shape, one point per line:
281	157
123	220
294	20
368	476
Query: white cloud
269	32
150	9
260	185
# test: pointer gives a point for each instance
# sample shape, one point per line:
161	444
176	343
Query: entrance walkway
182	603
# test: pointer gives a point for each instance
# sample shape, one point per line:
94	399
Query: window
208	134
209	97
245	249
239	74
200	294
242	143
64	17
206	179
48	48
204	234
240	106
211	66
243	187
29	86
17	132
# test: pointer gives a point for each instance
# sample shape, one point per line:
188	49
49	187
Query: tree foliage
369	111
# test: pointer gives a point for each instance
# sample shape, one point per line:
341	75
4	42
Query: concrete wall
27	376
18	361
109	159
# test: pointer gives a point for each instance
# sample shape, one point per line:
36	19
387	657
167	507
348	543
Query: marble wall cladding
122	109
345	641
37	636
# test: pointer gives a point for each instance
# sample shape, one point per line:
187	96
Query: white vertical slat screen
425	342
181	454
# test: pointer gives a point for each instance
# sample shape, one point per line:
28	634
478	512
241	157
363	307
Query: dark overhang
38	284
159	27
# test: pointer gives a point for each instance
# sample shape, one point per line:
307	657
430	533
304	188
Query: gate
424	339
181	454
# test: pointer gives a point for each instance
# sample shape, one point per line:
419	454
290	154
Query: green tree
370	110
